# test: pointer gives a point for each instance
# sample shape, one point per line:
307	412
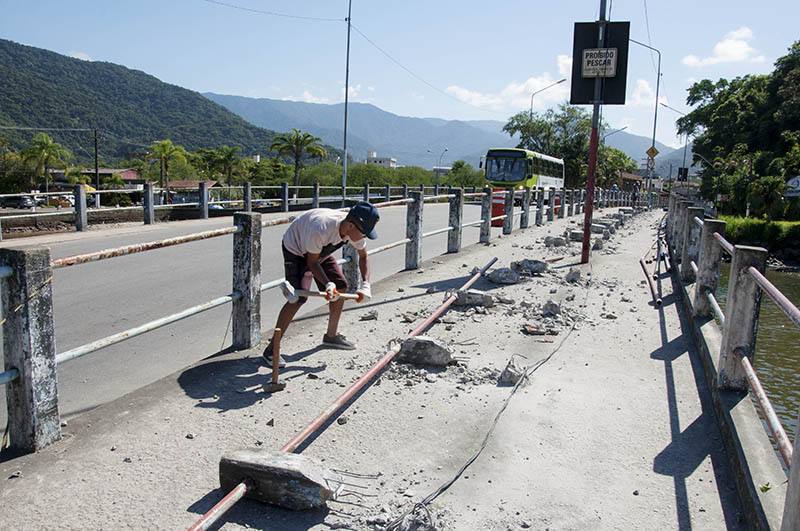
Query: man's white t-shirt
315	229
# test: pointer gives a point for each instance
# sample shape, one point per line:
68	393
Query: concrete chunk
530	266
473	297
424	350
503	275
291	481
576	235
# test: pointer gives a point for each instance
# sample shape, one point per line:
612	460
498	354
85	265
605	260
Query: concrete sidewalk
614	431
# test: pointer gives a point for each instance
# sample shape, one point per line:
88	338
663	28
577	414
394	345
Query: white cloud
80	55
565	65
644	95
307	97
734	48
515	96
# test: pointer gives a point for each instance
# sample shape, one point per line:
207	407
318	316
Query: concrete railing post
315	195
679	228
539	206
436	189
741	317
248	198
81	223
350	268
247	280
405	191
29	346
455	220
524	219
691	243
148	213
202	194
707	266
414	230
486	216
508	211
366	192
284	197
562	210
791	507
671	212
387	193
571	199
551	200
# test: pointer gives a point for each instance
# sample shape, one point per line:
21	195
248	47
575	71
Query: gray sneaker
267	354
339	341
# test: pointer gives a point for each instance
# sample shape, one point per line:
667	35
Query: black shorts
299	276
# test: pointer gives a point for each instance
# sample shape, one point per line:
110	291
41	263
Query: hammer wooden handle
307	293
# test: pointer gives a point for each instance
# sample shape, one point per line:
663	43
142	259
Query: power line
42	128
271	13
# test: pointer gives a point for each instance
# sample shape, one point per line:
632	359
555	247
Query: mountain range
412	141
130	109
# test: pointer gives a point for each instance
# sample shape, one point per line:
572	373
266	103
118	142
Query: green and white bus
517	168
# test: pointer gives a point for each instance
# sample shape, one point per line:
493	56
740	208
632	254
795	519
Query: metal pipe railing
8	376
715	308
437	231
725	244
139	247
473	223
771	418
388	246
147	327
698	222
693	265
775	294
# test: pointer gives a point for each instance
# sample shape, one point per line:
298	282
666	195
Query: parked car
19	201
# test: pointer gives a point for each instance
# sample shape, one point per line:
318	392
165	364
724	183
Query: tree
610	162
165	151
44	153
563	134
296	145
228	160
206	162
463	174
765	196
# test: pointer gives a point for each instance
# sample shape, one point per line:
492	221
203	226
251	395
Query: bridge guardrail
26	273
698	245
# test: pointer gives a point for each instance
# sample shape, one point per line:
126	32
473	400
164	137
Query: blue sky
451	59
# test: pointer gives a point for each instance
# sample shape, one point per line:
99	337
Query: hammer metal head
291	481
274	387
288	292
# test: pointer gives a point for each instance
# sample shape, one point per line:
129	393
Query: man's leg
334	313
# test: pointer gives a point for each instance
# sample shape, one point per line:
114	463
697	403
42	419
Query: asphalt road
98	299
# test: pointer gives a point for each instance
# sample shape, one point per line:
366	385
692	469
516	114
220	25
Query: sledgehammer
293	294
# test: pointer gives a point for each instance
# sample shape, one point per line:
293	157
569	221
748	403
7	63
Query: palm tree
228	160
295	145
165	151
44	153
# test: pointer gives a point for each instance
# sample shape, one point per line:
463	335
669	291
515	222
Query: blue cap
367	216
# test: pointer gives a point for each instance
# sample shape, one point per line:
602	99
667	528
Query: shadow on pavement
689	448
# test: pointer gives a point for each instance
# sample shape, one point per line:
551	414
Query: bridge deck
614	431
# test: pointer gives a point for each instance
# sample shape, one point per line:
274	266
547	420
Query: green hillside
131	109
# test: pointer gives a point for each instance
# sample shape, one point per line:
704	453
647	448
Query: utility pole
587	217
96	164
346	94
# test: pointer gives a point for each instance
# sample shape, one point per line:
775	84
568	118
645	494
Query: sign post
599	73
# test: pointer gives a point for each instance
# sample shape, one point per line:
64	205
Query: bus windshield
505	169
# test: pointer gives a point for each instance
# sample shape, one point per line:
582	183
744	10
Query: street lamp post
686	142
439	167
655	118
534	94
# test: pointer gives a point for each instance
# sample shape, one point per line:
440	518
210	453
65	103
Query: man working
308	247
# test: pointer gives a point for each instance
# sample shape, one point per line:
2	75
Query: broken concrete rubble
473	297
573	276
512	373
291	481
424	350
530	267
503	275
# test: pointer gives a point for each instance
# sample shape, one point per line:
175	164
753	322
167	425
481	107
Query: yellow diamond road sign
652	152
